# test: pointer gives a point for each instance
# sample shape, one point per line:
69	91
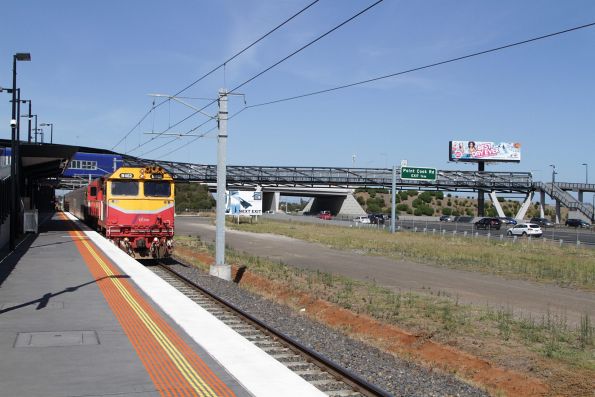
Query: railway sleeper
344	393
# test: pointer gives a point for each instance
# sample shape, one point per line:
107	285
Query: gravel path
396	376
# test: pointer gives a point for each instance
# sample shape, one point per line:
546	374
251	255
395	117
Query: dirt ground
496	379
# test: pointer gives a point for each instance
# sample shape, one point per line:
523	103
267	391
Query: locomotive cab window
93	191
124	188
157	189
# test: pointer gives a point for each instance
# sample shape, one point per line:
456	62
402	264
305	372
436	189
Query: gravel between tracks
398	377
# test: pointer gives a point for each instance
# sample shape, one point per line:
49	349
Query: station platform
79	317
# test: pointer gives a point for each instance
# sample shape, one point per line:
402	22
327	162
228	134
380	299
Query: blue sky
93	64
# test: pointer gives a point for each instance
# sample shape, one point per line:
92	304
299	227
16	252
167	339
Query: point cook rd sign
418	173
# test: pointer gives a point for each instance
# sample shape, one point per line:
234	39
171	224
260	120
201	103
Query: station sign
418	173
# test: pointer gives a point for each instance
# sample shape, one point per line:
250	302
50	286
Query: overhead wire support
318	38
199	136
424	67
218	67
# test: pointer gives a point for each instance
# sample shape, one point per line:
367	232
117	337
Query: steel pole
29	130
13	125
393	209
220	268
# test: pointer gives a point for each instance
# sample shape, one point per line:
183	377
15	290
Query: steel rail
360	385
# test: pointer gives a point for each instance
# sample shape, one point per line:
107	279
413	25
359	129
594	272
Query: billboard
484	151
238	202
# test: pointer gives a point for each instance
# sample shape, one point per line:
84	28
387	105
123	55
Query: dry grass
545	347
530	260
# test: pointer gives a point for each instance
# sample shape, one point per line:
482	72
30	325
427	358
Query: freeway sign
418	173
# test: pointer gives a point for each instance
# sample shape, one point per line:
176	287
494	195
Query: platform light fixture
19	56
51	125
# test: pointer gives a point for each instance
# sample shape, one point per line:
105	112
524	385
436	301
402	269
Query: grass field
530	260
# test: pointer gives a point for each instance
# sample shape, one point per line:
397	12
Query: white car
525	229
361	219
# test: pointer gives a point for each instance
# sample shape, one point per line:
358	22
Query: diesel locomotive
133	207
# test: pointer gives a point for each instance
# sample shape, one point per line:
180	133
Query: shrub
373	206
426	197
412	193
446	211
439	195
403	207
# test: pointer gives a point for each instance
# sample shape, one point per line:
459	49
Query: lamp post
19	56
39	131
586	173
35	129
553	176
51	125
28	116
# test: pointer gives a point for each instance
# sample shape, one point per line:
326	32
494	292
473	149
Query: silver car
525	230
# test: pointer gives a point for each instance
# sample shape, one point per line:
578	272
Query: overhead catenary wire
203	135
262	72
223	64
423	67
435	64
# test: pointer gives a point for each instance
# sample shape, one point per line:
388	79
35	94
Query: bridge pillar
542	203
558	211
276	200
270	201
481	202
580	196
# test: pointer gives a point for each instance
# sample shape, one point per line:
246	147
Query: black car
447	218
378	219
577	223
508	220
489	223
542	222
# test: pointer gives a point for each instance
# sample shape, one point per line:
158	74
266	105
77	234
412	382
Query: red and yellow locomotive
133	208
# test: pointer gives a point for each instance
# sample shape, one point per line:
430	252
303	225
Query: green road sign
418	173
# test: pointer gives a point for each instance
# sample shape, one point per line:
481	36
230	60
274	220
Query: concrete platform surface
59	336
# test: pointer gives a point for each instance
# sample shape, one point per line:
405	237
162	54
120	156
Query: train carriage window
124	188
93	191
157	189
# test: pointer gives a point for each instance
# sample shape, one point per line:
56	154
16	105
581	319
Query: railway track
325	375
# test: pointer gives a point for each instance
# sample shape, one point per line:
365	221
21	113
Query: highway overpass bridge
331	187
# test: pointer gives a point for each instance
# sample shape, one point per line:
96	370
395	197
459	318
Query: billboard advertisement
484	151
238	202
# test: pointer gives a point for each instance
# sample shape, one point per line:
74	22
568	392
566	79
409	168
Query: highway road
522	297
568	235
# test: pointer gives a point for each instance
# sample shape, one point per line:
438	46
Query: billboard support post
480	192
